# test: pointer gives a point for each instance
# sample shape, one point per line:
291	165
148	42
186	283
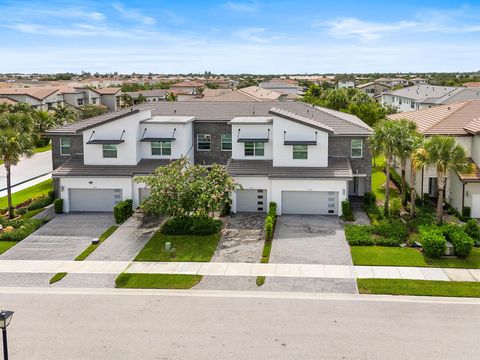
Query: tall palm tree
63	115
446	155
406	131
383	140
415	164
16	140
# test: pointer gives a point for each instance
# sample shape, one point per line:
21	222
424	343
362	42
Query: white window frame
209	143
114	146
222	141
356	148
162	146
62	146
255	145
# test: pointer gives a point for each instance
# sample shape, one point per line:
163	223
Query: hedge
347	212
122	211
392	228
461	241
369	198
58	206
433	242
191	225
389	232
359	235
22	228
270	221
473	230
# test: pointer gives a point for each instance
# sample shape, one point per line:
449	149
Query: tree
171	96
406	142
141	99
16	140
212	85
42	122
415	164
64	115
383	140
88	111
182	189
127	100
446	155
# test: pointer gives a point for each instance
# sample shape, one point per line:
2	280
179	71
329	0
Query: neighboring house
461	120
188	87
425	96
40	98
475	84
257	93
392	81
418	81
77	96
7	100
373	89
251	93
307	159
282	87
150	95
110	97
345	84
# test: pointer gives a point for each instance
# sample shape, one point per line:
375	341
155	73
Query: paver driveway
63	238
310	239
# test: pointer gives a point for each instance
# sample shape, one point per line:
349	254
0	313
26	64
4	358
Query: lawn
395	256
42	149
5	245
184	248
91	248
156	281
37	190
418	287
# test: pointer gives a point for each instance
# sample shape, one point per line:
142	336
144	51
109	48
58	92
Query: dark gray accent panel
341	146
215	155
76	147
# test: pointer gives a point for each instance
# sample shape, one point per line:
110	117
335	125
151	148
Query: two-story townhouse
373	89
278	151
110	97
79	96
460	120
425	96
40	98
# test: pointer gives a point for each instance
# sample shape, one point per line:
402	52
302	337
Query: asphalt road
124	324
28	168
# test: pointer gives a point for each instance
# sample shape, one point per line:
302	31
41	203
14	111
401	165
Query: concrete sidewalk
240	269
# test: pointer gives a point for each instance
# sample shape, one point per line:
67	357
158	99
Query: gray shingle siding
215	155
76	147
341	146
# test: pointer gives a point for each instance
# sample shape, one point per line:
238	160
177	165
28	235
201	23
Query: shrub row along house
461	121
304	158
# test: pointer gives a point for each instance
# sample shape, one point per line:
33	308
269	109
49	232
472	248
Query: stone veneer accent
215	129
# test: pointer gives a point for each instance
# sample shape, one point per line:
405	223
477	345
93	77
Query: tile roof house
307	159
40	98
462	121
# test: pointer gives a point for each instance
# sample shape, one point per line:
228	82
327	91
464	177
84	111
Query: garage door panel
310	202
251	200
94	199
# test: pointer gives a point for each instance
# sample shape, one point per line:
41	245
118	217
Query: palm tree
383	140
127	100
415	164
446	155
406	131
171	96
141	99
63	115
16	140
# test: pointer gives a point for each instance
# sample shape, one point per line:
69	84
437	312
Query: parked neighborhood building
462	121
425	96
307	159
374	89
40	98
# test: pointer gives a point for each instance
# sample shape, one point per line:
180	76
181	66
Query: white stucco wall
180	147
475	151
127	152
283	154
67	183
251	131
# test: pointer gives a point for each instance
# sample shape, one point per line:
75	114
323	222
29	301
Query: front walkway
232	270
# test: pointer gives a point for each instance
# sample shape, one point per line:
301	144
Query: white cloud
133	14
241	6
253	34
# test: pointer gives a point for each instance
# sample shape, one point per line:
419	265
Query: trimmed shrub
393	229
192	225
359	235
374	213
122	211
461	241
369	198
21	211
40	203
424	216
473	230
269	227
23	228
392	242
58	206
272	209
466	212
433	242
347	212
395	207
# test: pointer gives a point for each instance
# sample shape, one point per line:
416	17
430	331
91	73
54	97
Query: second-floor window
162	148
204	142
109	150
300	152
357	148
80	102
226	142
64	146
254	149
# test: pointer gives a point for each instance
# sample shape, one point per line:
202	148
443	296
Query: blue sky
239	36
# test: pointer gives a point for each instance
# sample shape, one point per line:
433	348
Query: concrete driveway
310	239
63	238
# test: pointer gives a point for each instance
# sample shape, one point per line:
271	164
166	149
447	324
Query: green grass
31	213
395	256
156	281
378	186
91	248
267	247
5	245
184	248
42	149
21	196
418	287
57	277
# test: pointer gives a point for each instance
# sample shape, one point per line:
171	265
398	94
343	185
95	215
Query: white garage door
310	202
475	211
251	200
94	199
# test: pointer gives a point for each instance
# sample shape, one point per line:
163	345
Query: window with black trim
226	140
204	142
300	152
109	150
161	148
254	149
64	146
357	148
